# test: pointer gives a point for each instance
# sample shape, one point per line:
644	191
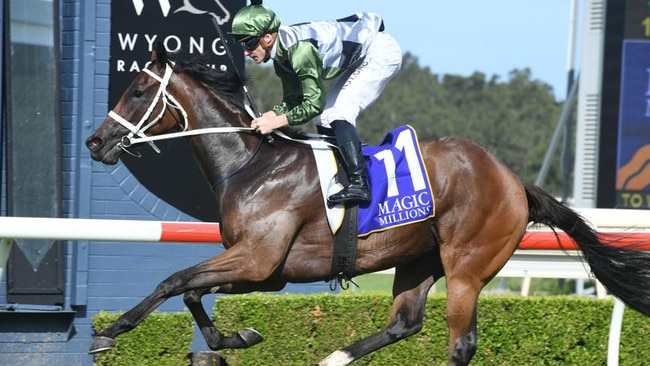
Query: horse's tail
623	270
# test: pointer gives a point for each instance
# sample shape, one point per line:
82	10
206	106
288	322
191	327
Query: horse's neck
233	161
217	152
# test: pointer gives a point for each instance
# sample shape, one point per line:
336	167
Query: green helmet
255	21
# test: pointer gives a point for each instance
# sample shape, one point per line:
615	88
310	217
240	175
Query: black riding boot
354	163
325	131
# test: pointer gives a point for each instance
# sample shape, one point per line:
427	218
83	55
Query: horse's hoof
101	343
250	336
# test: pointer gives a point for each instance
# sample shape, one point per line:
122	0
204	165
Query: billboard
633	145
186	28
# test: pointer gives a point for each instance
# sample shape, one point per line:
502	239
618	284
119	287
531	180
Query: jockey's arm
302	85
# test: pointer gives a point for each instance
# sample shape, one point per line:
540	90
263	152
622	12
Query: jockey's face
257	48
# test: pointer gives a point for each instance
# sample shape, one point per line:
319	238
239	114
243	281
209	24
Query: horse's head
143	110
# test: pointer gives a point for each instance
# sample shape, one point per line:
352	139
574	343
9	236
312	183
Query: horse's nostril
93	142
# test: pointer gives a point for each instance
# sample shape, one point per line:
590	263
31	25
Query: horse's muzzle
100	151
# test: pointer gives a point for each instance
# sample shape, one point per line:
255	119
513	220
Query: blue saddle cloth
401	191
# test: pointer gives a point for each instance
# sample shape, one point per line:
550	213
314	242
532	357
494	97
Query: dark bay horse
275	231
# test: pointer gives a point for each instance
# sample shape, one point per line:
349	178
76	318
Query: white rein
169	100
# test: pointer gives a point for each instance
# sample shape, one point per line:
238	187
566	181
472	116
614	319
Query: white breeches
359	87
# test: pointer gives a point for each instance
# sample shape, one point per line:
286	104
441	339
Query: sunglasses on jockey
250	43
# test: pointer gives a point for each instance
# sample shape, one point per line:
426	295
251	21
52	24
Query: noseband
142	126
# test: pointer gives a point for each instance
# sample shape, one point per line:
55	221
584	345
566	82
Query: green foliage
514	118
162	339
383	283
300	329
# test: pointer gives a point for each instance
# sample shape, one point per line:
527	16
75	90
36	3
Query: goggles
250	43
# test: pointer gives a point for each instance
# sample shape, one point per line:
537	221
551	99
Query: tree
514	119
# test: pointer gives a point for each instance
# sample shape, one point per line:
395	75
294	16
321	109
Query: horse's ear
159	54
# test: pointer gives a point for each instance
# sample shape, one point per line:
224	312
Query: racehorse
275	231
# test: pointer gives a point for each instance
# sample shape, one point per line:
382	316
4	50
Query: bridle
137	131
142	126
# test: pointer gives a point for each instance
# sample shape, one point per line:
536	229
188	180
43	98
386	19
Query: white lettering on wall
127	41
173	43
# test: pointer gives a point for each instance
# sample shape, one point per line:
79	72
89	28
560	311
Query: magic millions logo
184	27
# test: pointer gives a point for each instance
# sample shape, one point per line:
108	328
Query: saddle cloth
401	191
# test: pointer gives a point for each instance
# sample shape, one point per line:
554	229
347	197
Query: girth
345	249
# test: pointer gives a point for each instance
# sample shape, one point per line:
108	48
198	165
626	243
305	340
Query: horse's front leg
410	288
235	265
243	338
172	286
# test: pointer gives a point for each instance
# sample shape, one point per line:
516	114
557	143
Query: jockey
355	50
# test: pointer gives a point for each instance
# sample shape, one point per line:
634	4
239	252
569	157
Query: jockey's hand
268	122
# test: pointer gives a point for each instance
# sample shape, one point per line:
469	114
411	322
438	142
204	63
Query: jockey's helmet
254	21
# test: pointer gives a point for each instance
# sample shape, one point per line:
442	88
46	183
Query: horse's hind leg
410	289
462	302
467	272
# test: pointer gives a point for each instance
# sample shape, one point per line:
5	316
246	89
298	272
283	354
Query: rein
140	128
137	131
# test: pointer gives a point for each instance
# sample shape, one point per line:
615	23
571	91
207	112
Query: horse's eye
137	93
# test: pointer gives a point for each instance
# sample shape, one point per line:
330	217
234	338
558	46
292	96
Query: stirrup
342	199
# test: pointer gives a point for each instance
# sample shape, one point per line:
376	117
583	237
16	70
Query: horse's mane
227	84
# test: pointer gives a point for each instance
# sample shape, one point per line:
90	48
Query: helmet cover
254	21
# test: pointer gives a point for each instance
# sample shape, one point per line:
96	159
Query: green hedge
162	339
300	330
303	329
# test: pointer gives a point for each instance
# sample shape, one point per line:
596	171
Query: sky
461	37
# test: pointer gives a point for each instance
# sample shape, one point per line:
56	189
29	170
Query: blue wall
101	275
